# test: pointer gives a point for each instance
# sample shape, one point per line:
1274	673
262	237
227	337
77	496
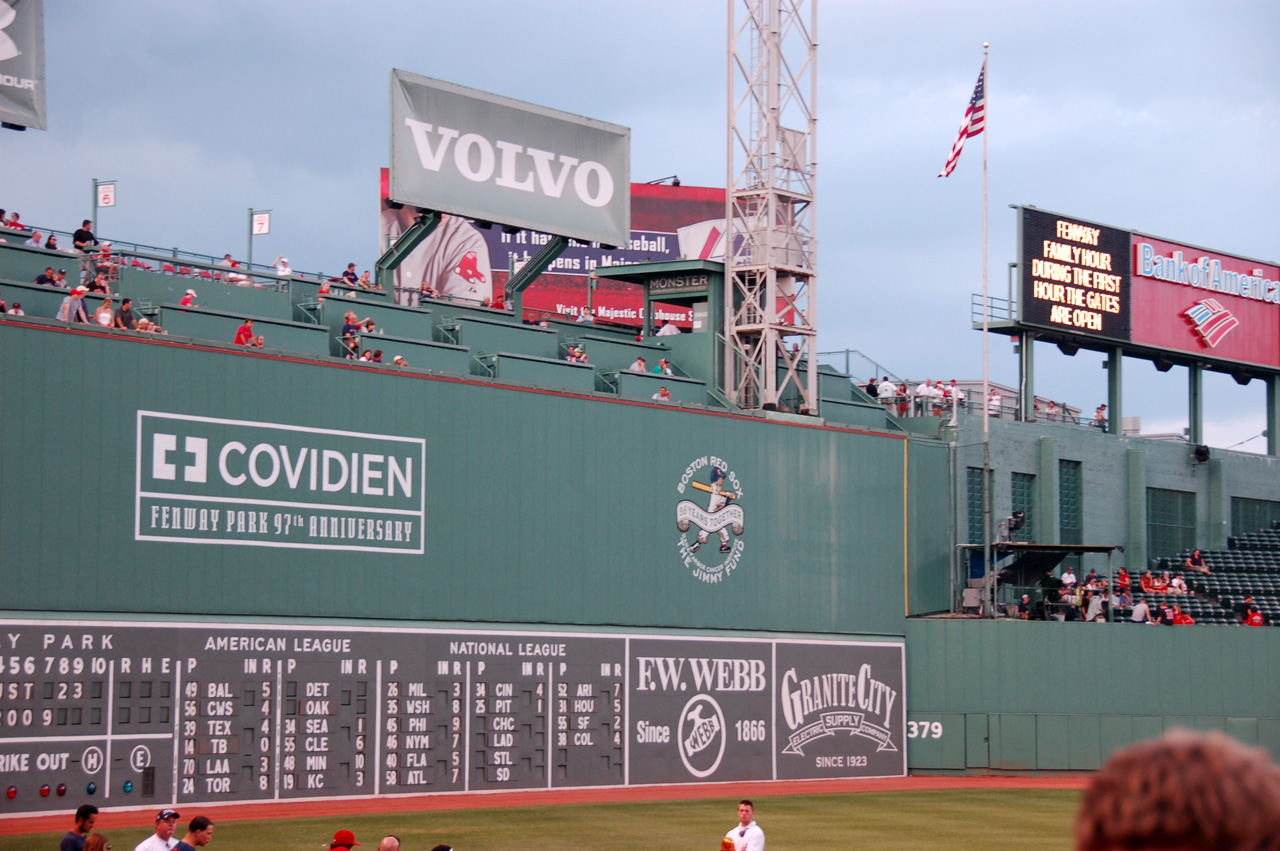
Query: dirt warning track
145	816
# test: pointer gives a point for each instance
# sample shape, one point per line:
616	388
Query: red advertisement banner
1195	301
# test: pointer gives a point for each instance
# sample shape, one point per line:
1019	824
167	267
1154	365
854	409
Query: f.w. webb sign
478	155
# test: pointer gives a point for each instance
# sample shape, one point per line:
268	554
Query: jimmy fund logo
712	510
823	705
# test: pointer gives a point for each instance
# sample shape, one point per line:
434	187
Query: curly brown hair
1180	792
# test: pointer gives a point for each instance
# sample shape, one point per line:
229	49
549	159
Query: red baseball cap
345	837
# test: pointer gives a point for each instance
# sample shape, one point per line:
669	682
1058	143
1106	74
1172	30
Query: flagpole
988	568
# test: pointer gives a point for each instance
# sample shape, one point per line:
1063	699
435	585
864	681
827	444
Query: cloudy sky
1163	117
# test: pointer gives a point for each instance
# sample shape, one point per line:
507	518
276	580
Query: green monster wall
526	506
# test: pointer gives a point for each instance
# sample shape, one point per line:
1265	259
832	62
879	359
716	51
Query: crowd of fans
1068	598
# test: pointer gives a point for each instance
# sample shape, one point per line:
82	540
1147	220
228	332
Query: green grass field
949	821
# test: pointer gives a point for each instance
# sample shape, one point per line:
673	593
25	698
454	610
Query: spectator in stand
281	265
1053	412
1069	578
500	302
1160	584
1141	612
62	279
188	300
924	397
1093	609
1182	791
4	308
663	395
232	277
1181	618
349	276
1196	562
1123	597
399	361
668	329
99	284
1024	607
259	342
586	317
72	308
124	316
872	389
104	315
377	355
1123	580
1164	613
995	403
1255	617
47	278
13	222
83	239
1100	417
903	403
958	398
886	391
34	242
1091	579
1246	605
663	367
429	291
365	282
371	327
16	310
367	356
637	366
1147	583
52	242
1177	585
244	334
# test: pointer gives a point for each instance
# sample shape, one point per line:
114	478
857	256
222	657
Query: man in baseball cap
343	839
162	839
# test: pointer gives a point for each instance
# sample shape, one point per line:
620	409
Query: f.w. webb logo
719	514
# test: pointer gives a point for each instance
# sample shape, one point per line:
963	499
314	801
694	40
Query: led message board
129	714
1090	280
1075	275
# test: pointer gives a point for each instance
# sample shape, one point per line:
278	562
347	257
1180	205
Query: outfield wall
474	501
1049	696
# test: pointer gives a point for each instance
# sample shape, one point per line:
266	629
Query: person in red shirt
1123	580
1147	582
188	300
1180	618
244	334
1254	618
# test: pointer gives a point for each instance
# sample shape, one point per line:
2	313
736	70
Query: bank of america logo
1211	320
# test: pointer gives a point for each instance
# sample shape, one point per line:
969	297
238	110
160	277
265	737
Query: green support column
1215	536
1047	508
1273	415
1115	412
1135	547
1026	377
1195	404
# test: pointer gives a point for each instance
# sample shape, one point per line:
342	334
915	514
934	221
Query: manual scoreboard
130	714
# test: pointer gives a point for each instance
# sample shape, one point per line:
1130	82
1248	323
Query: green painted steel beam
1115	391
1195	404
401	248
530	271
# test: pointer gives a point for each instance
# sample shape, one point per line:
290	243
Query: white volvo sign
478	155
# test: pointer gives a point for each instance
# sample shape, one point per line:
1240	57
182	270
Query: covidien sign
207	480
478	155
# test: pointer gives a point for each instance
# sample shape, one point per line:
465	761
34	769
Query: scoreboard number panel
152	714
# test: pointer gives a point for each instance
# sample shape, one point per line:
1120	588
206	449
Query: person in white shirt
886	391
746	835
1178	585
162	839
281	265
995	402
1069	578
668	329
638	366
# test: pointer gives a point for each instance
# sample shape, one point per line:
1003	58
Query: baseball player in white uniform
163	839
746	835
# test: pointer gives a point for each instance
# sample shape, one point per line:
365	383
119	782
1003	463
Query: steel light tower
770	334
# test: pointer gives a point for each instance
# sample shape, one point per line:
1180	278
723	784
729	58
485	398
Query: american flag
975	121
